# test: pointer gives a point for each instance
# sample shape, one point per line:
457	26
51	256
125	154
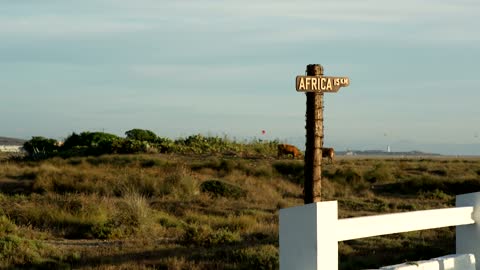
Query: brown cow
287	149
328	153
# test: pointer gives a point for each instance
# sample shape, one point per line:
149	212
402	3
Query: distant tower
388	148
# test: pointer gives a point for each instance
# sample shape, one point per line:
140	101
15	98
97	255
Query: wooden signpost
315	84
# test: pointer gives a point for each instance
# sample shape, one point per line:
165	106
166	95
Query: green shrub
226	166
39	147
351	176
439	172
203	235
89	143
72	216
130	215
222	166
292	170
197	235
264	257
130	146
436	195
15	250
169	221
433	184
165	145
407	207
218	188
103	230
381	173
141	135
261	172
196	144
224	236
346	175
179	183
148	163
6	226
75	161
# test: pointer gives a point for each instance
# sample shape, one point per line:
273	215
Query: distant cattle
287	149
328	153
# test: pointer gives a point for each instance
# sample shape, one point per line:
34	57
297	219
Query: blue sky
228	68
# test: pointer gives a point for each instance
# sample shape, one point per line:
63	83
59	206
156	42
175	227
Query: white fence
309	234
450	262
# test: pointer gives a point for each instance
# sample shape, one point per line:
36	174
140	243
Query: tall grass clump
222	167
263	257
19	250
180	183
381	173
219	188
69	216
130	216
292	170
204	235
85	216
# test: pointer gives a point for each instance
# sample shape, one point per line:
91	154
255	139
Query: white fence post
468	236
308	237
309	234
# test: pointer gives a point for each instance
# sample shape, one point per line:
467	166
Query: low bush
381	173
169	221
262	257
292	170
439	172
141	135
431	184
179	184
204	235
6	226
220	188
40	147
222	166
16	250
349	177
436	195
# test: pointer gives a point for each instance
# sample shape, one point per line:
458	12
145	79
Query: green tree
90	143
40	145
141	135
89	139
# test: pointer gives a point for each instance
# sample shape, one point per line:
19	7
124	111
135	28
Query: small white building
11	148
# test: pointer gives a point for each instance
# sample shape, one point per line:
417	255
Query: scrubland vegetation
207	209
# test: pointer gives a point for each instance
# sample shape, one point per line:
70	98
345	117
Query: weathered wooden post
315	84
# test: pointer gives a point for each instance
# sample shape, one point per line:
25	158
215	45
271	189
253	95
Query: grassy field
163	211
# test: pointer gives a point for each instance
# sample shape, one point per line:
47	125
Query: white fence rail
360	227
309	234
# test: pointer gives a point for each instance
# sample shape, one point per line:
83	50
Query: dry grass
149	211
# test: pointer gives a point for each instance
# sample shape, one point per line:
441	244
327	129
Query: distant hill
11	141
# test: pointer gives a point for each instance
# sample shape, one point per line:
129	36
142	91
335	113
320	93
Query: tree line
142	141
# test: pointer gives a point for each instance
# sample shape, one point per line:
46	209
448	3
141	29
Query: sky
228	68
